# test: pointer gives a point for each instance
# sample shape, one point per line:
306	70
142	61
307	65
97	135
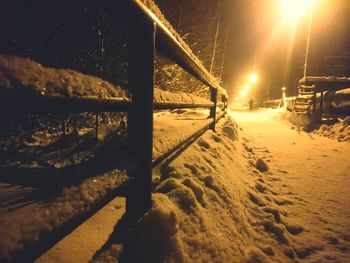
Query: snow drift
19	74
211	204
23	76
339	101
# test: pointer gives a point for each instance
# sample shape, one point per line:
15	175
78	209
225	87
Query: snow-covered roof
325	79
324	83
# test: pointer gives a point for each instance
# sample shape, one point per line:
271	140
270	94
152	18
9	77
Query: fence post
141	46
213	98
314	102
225	104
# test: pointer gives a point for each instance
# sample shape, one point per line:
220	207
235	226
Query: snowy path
313	174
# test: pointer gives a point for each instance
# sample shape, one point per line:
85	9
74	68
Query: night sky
69	34
257	42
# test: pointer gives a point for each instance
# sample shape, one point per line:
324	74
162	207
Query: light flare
292	10
252	77
244	92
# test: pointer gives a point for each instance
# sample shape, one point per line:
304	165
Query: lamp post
292	11
308	43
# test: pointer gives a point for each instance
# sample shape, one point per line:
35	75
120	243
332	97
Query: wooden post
225	104
141	48
321	102
213	98
314	102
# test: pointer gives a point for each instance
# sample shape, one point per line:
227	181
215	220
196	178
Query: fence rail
40	104
37	104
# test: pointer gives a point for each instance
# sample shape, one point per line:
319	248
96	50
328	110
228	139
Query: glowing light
245	91
253	77
292	10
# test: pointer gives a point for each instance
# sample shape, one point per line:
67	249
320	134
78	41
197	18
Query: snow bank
334	128
339	131
41	146
211	204
173	127
18	75
178	97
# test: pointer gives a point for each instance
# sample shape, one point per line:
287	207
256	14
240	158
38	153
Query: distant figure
251	101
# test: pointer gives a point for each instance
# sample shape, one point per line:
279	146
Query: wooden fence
146	32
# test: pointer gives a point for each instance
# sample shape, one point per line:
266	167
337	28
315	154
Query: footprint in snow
261	165
282	201
304	252
332	240
277	230
261	188
256	199
247	148
293	229
274	179
274	212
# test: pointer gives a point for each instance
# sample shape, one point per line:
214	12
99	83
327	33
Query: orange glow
292	10
253	77
245	91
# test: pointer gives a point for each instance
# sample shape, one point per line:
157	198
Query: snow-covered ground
173	127
259	191
311	175
339	130
27	212
264	192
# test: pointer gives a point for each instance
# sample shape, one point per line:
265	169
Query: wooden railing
146	32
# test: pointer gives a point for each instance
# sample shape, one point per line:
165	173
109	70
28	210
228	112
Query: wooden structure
310	86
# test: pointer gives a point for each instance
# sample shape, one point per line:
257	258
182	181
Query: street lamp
308	44
252	77
292	11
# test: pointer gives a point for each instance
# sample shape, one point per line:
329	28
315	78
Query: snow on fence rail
146	31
